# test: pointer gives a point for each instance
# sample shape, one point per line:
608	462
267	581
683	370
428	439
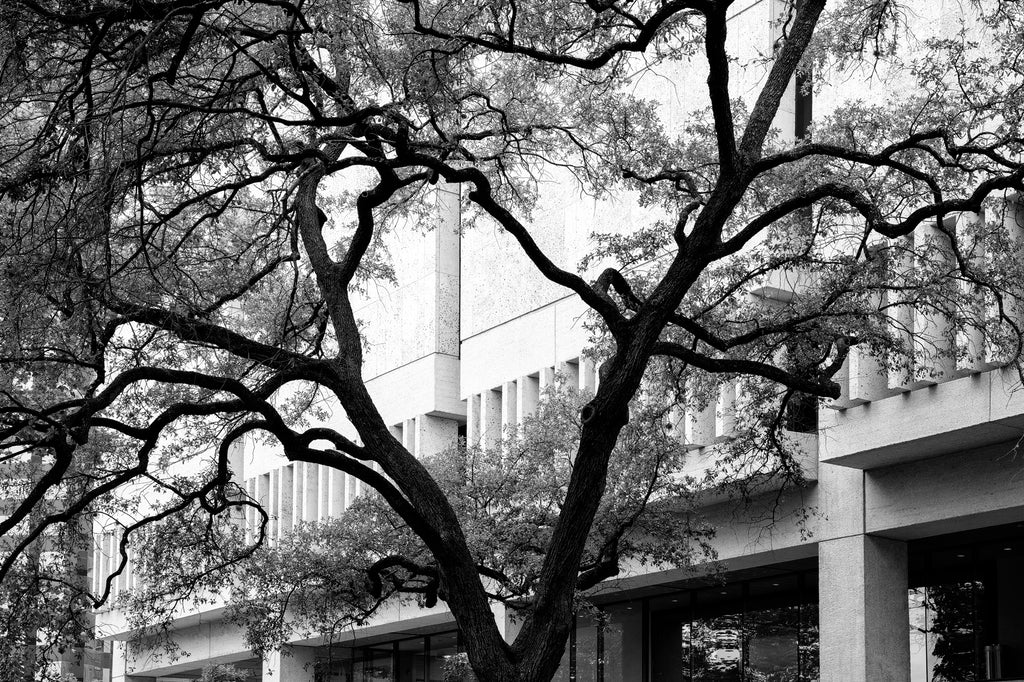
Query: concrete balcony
717	479
959	414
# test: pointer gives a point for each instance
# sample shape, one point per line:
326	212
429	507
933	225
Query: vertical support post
863	609
934	359
473	419
527	396
509	400
901	315
490	418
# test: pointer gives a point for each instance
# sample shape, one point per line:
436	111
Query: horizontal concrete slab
965	413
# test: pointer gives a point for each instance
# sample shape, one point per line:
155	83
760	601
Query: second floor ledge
970	412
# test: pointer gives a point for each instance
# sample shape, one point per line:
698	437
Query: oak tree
168	262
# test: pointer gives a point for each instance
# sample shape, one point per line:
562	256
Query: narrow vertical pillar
527	396
292	664
285	491
901	315
490	418
700	421
725	414
509	399
1013	225
868	378
863	610
546	378
588	375
473	419
934	358
409	436
434	434
273	506
236	459
250	513
447	259
571	371
311	500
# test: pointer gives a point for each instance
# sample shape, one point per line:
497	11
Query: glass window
771	631
809	661
586	648
336	664
411	661
623	642
378	664
444	654
716	650
670	638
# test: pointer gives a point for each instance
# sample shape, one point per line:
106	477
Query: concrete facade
452	349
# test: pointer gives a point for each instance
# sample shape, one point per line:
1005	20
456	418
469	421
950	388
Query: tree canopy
169	262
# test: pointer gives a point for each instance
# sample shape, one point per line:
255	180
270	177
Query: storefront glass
966	608
763	630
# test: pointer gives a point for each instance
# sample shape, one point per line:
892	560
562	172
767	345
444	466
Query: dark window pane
809	666
444	654
623	643
411	661
563	666
951	640
377	664
670	639
586	649
716	648
770	641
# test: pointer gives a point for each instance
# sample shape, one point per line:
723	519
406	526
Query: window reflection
378	664
586	649
670	639
966	606
945	631
755	631
623	643
759	631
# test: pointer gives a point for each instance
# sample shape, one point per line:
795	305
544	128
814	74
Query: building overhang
970	412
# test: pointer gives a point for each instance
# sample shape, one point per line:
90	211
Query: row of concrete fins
296	493
106	557
938	354
700	424
493	412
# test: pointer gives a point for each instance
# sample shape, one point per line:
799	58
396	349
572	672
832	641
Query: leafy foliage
194	196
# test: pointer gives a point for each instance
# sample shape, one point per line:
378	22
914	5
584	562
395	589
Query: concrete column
332	487
490	418
473	419
546	378
571	371
285	492
447	259
863	611
305	492
725	414
934	359
588	375
434	434
700	421
273	507
409	436
527	395
292	664
508	404
901	316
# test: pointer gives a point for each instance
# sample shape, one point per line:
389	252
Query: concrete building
907	567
